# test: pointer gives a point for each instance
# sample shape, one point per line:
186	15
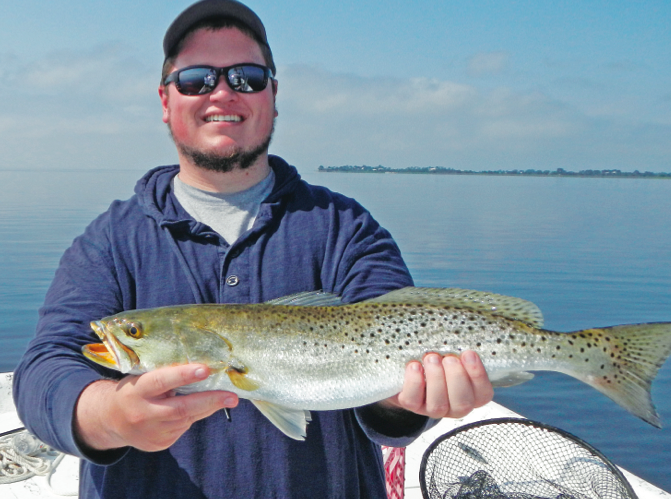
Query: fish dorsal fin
292	422
309	299
481	301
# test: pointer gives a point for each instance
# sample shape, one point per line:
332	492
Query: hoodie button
232	280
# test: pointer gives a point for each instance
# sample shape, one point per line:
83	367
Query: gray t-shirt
230	215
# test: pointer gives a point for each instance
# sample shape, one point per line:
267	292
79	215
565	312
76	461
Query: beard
223	162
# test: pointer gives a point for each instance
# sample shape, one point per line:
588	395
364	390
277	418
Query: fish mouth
111	353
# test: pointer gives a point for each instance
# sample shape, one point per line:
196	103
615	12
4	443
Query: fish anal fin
479	301
508	379
292	422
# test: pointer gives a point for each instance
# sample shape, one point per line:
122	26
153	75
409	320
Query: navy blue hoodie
148	252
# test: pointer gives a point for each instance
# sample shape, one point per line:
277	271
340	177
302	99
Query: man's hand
447	386
143	411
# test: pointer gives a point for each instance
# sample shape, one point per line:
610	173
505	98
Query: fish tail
631	356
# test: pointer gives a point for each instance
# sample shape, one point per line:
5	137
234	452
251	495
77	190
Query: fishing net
513	458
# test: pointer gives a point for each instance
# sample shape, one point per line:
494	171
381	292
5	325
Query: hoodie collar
155	196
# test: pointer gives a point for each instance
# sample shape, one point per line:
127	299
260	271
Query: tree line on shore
559	172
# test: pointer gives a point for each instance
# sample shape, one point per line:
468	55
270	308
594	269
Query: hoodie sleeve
53	372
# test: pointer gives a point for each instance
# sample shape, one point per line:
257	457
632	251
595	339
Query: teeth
227	117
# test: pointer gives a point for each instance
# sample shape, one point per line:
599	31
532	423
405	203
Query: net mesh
518	459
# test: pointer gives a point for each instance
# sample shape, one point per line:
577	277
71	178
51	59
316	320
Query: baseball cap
205	9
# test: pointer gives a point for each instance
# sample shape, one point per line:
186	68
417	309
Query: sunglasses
198	80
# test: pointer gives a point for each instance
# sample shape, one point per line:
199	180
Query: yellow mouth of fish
109	352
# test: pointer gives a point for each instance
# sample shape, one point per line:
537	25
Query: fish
312	352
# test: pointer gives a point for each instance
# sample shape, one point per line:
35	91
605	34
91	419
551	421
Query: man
229	224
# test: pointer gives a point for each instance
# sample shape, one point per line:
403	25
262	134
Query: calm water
588	252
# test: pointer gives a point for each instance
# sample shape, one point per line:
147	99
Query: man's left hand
444	387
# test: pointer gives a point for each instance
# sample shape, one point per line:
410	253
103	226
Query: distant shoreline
440	170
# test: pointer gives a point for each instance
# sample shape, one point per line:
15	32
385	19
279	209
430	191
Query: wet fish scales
333	357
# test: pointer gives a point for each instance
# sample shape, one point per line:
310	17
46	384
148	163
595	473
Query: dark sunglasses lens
196	81
247	78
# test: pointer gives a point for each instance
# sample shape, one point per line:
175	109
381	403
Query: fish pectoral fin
480	301
292	422
240	380
505	380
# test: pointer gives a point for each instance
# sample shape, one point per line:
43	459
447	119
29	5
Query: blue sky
472	85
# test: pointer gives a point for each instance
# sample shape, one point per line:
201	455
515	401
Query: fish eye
133	330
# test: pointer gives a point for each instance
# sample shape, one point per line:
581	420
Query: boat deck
65	479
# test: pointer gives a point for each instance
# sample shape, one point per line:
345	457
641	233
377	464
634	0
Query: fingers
482	388
414	388
142	411
196	406
437	402
450	386
459	387
162	381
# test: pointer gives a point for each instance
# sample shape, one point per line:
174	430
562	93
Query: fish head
139	341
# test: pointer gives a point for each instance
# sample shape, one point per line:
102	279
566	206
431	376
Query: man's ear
273	83
163	94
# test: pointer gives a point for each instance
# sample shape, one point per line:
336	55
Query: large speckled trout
311	352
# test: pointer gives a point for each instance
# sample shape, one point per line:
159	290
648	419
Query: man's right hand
143	411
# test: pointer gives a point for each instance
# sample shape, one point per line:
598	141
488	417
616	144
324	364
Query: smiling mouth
228	118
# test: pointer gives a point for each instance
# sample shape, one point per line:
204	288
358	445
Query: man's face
223	122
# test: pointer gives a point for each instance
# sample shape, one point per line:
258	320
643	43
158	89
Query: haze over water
588	252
